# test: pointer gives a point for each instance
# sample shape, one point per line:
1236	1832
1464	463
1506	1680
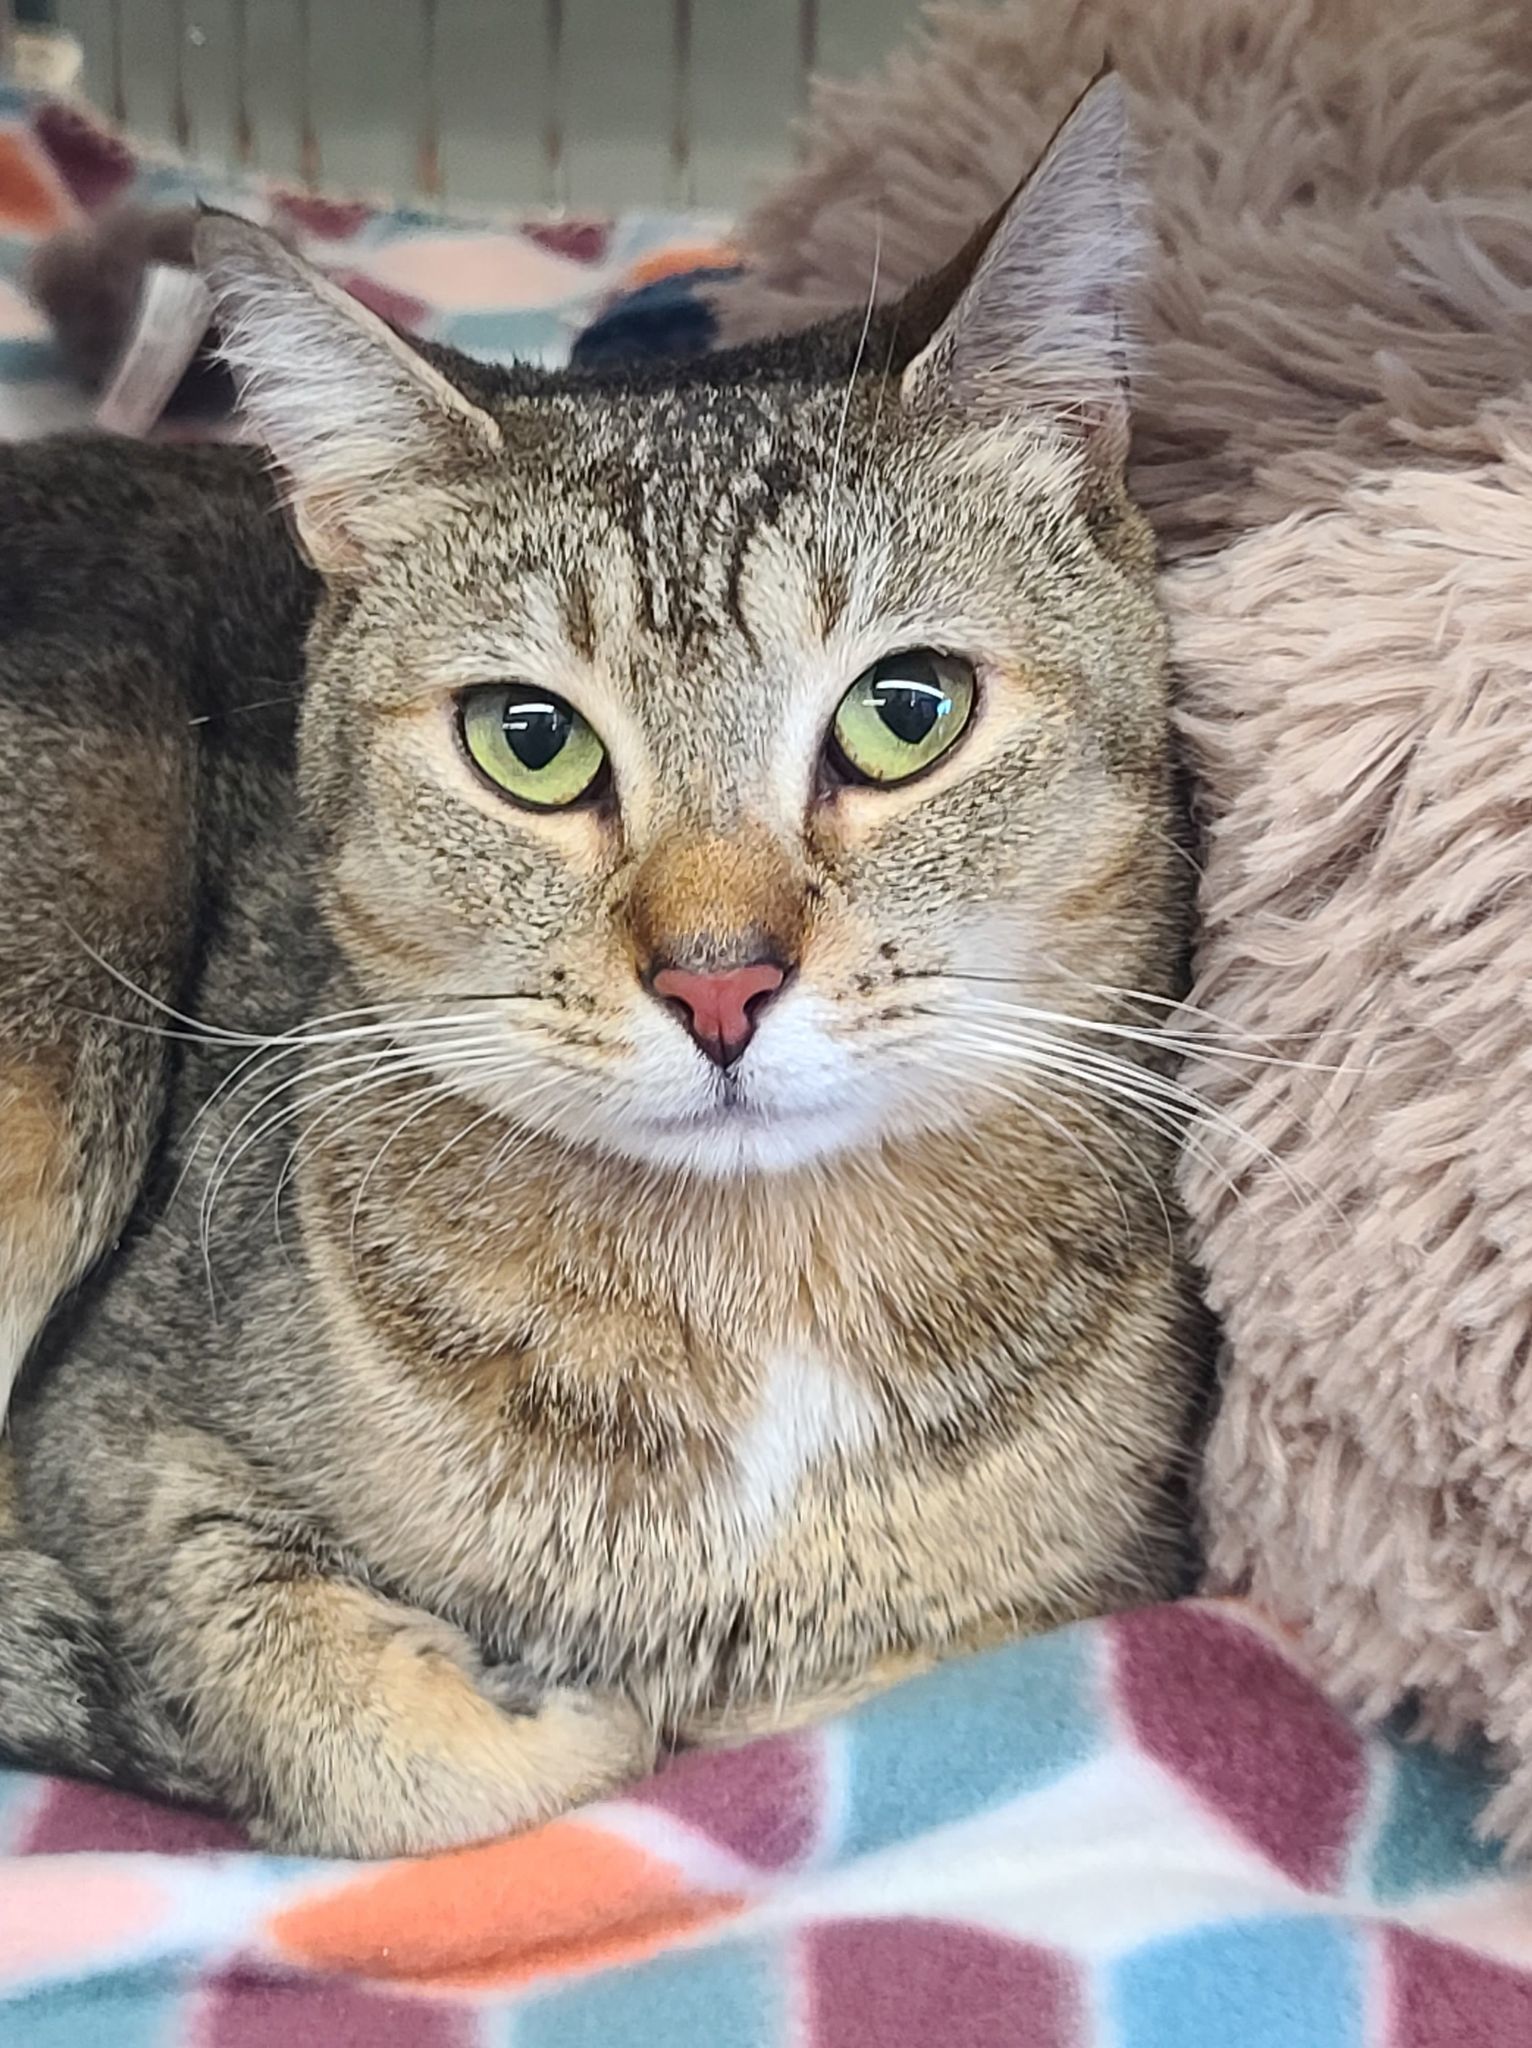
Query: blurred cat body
633	1273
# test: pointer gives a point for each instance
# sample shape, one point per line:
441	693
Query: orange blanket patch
570	1897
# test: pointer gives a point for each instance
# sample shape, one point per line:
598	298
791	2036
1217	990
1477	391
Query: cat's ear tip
225	245
1044	323
1103	105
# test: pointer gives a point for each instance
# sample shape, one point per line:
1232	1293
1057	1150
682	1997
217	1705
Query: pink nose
720	1009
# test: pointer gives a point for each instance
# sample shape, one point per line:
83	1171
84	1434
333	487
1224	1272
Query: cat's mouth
733	1110
796	1095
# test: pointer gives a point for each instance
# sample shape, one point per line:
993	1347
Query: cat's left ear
366	433
1042	324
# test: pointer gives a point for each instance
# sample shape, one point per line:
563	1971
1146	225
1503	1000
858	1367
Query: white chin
733	1144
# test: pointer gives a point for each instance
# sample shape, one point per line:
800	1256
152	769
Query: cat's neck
464	1221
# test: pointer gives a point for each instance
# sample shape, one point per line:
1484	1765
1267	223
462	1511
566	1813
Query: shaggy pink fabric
1335	440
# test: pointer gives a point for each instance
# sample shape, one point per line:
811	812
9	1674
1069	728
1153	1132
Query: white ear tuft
1043	324
361	426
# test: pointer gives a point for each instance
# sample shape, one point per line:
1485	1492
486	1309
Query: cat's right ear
364	431
1035	317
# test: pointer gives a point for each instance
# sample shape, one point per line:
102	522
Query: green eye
902	714
531	744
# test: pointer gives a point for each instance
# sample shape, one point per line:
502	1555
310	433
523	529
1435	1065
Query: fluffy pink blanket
1335	441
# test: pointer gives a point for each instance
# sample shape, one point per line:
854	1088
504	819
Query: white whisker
1154	1096
380	1068
856	370
1155	1036
1028	1101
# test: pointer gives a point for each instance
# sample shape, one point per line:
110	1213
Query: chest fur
628	1502
591	1523
722	1476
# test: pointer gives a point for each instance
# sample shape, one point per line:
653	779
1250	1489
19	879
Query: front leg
335	1722
734	1722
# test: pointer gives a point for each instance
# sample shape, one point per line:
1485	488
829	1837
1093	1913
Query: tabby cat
568	1000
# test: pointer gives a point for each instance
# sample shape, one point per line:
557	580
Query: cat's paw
602	1740
420	1754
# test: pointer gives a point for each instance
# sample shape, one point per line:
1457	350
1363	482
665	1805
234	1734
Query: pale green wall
369	96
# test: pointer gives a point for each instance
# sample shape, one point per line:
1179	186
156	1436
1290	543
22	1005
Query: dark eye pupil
536	729
908	695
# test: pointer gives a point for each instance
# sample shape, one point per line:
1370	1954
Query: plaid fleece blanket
1149	1832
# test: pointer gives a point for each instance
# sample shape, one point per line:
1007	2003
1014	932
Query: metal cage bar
698	97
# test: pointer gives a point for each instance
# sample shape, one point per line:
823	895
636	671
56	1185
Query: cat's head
720	753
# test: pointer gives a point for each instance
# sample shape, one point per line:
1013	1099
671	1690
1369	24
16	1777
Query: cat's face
716	760
688	577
